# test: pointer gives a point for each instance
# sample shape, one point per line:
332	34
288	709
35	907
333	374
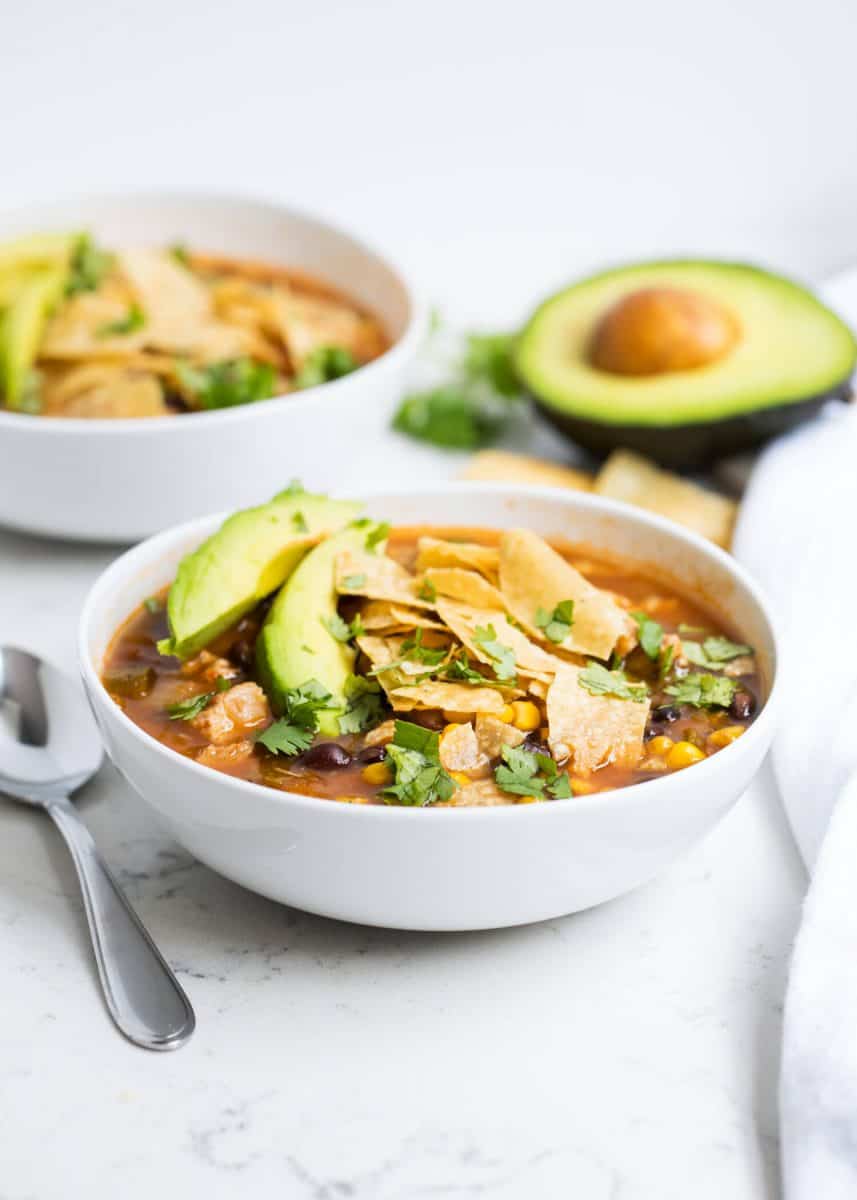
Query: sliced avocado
295	644
22	328
770	356
37	250
250	556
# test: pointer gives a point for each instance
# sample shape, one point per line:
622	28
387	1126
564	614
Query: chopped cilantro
30	399
295	488
427	591
459	670
186	710
556	625
650	634
228	383
488	357
133	320
377	534
665	660
300	522
523	773
342	630
365	705
714	652
456	417
690	629
414	758
413	649
502	657
179	252
324	364
301	705
598	681
704	691
89	265
222	683
285	738
354	581
153	604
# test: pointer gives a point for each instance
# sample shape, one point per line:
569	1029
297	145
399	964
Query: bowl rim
761	730
402	348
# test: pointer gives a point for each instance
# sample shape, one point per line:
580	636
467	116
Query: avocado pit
656	330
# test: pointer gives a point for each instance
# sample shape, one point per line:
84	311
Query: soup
92	333
434	667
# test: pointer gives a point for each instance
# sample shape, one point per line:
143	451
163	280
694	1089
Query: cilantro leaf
89	265
285	738
133	320
414	650
650	634
556	625
179	253
427	591
227	384
666	657
301	705
377	534
354	581
704	691
324	364
457	416
186	710
300	522
714	652
561	788
518	773
416	737
502	657
488	357
416	780
365	705
459	670
598	681
342	630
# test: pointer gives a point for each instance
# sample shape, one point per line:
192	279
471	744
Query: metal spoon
49	746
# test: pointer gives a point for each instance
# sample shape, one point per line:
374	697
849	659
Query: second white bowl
122	480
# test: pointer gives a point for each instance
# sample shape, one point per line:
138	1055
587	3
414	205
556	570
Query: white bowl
475	868
125	479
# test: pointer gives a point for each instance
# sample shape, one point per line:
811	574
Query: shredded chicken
233	714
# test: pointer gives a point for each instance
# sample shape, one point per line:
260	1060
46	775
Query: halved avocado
683	361
249	556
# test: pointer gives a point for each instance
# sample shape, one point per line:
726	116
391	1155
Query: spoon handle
143	995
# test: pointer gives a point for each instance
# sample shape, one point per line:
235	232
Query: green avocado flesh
792	353
21	330
295	644
250	556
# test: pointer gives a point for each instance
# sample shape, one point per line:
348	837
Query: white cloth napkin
797	534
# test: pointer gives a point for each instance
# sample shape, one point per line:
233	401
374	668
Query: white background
496	149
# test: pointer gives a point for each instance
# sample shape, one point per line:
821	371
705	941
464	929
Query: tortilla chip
381	651
480	793
534	576
378	578
307	323
453	697
538	688
436	552
460	750
492	734
463	620
521	468
469	586
124	395
632	478
77	329
595	730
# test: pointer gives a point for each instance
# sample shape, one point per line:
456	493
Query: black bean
430	719
742	706
326	756
533	745
372	754
242	653
667	713
653	730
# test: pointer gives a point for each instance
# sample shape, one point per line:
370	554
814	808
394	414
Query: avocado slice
251	555
295	644
21	330
788	356
37	250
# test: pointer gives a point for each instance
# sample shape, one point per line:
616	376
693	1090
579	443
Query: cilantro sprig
649	633
365	705
703	690
556	625
227	384
133	320
413	756
714	652
502	657
324	364
295	729
186	710
343	631
596	679
528	773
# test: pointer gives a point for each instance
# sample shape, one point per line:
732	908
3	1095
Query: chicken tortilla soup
308	648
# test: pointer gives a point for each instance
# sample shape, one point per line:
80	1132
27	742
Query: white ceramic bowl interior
444	868
123	480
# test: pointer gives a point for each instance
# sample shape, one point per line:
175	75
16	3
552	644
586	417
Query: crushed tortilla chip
594	730
437	552
522	468
452	697
533	576
460	750
492	734
125	396
632	478
469	586
481	793
78	328
377	577
463	620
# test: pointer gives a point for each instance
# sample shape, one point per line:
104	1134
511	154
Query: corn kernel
529	799
353	799
683	754
725	736
660	745
377	774
526	716
461	779
583	787
507	714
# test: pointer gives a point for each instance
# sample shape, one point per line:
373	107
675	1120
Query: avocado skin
691	446
294	645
